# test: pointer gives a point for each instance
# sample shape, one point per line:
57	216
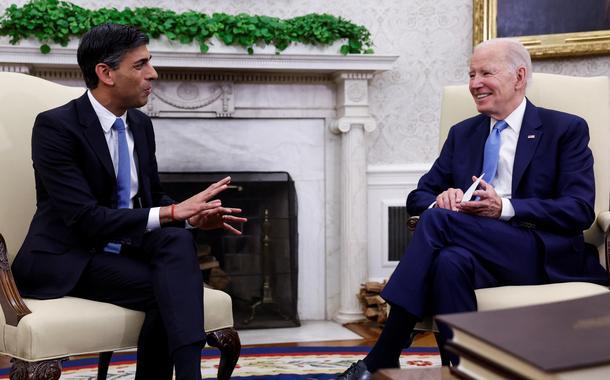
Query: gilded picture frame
540	46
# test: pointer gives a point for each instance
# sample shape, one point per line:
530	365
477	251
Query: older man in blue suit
523	225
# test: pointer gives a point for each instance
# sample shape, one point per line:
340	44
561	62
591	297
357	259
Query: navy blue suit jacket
76	197
553	187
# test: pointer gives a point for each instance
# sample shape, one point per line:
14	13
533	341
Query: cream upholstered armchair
588	98
40	334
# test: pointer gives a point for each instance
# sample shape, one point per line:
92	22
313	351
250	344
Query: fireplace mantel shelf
168	56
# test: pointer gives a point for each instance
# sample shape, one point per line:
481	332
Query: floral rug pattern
258	363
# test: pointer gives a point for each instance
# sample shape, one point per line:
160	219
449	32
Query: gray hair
516	55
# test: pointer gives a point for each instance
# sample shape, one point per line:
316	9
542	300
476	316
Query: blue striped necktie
492	151
123	178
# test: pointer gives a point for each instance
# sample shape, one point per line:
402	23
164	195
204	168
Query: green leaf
45	49
227	38
58	21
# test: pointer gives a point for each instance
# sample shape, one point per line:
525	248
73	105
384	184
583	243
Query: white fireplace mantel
300	83
167	55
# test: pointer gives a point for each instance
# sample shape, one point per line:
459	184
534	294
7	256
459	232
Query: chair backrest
585	97
22	97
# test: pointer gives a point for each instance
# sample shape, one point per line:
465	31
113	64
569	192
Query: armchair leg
103	364
43	370
227	341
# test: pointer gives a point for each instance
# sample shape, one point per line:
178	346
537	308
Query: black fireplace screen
259	268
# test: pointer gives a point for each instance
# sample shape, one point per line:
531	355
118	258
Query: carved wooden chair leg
43	370
227	341
103	364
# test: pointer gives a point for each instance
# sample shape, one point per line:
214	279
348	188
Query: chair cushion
514	296
73	326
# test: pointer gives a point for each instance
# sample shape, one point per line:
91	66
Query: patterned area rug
258	363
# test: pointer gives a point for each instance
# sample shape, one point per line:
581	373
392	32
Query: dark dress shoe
356	371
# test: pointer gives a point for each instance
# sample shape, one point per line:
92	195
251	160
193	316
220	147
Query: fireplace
305	113
259	268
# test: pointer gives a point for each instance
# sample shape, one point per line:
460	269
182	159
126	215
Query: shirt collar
106	117
515	119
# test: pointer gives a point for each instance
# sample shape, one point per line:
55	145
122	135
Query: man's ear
104	74
521	78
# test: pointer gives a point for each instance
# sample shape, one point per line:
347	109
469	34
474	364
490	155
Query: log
374	307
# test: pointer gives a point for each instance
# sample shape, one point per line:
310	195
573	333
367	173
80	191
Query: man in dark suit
522	227
103	228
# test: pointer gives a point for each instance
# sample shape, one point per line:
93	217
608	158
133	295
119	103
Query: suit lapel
481	133
94	133
529	138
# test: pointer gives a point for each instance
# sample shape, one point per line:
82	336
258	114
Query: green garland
58	21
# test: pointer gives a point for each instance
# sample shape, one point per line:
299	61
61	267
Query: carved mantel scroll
191	99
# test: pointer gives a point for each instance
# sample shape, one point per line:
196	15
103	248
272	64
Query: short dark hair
107	44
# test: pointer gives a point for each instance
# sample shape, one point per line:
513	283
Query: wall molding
395	175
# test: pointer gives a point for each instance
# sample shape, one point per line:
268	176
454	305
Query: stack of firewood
374	307
216	277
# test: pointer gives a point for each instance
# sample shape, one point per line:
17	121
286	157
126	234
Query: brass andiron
267	291
266	301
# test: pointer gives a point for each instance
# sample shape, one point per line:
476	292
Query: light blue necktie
123	178
492	151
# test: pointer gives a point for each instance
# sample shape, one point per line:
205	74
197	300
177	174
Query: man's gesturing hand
194	205
217	217
489	203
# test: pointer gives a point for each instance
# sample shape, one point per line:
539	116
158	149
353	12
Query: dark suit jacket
553	187
76	197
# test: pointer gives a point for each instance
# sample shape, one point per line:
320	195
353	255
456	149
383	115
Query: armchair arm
603	220
12	304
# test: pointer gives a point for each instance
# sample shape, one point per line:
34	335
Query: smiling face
496	87
131	81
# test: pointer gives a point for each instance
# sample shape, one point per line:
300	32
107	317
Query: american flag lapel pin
531	136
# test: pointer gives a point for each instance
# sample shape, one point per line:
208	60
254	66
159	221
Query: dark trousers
452	254
161	278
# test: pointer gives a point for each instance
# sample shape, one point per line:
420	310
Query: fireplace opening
258	268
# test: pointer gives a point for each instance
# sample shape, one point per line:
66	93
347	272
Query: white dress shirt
502	182
107	119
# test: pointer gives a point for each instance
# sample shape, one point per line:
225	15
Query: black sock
394	337
187	362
